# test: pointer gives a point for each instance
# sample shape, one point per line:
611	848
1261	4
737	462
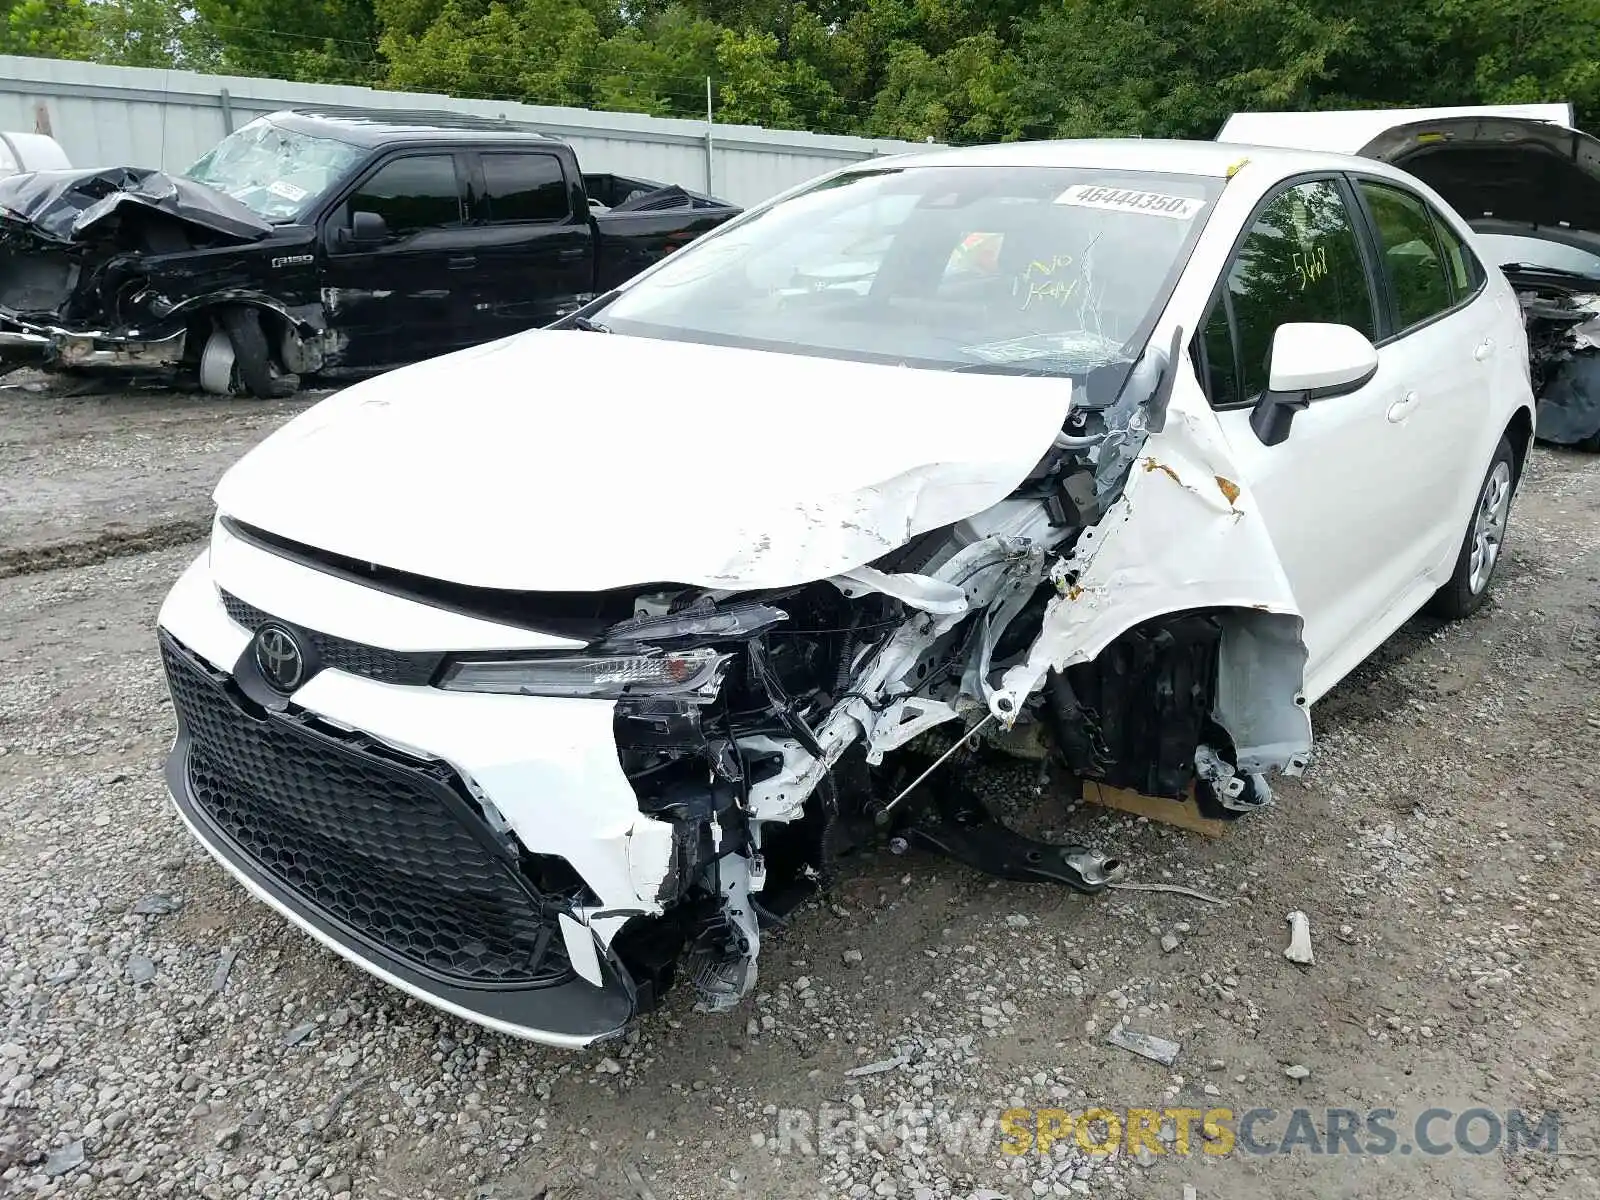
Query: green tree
153	33
310	41
48	29
952	70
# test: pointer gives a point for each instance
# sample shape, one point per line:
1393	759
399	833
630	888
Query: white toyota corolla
530	677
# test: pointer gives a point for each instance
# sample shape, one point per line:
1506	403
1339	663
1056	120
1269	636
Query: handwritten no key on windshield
1154	204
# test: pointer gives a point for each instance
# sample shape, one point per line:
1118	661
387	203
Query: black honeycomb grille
379	845
374	662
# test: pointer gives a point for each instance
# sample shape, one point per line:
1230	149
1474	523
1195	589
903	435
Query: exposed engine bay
1562	315
810	720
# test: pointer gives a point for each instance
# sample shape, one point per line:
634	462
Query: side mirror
1310	361
367	229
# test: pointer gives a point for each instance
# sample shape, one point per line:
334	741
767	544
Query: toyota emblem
279	658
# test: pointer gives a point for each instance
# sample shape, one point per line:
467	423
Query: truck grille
380	845
355	658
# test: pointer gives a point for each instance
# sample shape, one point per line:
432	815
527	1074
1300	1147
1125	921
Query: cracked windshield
1043	270
273	171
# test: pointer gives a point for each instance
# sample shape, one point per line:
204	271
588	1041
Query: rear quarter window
1461	265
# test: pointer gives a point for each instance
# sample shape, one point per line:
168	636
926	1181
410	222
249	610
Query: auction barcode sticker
1155	204
291	192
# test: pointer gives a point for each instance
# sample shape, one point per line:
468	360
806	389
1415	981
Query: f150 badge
293	260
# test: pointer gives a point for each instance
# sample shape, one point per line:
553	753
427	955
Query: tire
252	360
1484	541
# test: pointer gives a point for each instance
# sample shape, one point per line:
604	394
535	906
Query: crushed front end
99	269
541	809
1561	313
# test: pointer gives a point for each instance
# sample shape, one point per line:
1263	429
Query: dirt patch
89	472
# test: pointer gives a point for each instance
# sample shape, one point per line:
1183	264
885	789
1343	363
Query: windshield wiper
588	326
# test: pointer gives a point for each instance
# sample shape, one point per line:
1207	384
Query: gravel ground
87	472
163	1035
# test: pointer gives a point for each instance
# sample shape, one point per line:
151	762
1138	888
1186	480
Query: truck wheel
252	361
216	364
236	359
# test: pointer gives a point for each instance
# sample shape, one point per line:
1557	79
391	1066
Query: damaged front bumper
27	341
480	852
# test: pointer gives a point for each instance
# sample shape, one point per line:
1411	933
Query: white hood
569	461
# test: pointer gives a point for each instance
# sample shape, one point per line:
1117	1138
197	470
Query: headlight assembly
689	674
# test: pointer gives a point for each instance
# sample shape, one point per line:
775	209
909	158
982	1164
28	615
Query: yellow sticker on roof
1154	204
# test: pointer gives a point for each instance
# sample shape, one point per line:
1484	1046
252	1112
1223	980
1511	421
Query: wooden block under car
1183	813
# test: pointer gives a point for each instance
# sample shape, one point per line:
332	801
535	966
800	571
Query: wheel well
202	320
1520	434
1229	677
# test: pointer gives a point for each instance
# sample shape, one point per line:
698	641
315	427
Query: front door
403	298
1327	492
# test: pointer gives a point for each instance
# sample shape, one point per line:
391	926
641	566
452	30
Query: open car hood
1511	171
571	461
65	206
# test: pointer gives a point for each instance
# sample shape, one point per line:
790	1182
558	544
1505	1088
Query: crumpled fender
308	318
1184	534
65	206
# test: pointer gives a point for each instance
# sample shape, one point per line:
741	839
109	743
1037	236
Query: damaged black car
328	243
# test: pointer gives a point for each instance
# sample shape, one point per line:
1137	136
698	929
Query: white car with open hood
1528	184
531	677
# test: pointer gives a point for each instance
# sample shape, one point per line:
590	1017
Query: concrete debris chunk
1299	947
219	977
156	906
878	1068
299	1033
67	1158
1147	1045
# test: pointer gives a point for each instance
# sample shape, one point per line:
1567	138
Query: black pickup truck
327	242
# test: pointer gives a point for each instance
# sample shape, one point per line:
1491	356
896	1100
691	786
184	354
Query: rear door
1328	493
532	239
1442	341
403	299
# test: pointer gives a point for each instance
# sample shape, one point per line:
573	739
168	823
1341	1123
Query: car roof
383	126
1214	159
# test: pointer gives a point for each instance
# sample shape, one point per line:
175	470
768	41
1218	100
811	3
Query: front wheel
236	359
1481	549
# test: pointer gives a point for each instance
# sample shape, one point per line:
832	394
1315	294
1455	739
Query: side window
525	187
412	194
1410	254
1301	261
1461	265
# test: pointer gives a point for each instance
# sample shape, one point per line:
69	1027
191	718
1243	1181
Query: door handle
1401	408
1484	350
570	255
462	262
